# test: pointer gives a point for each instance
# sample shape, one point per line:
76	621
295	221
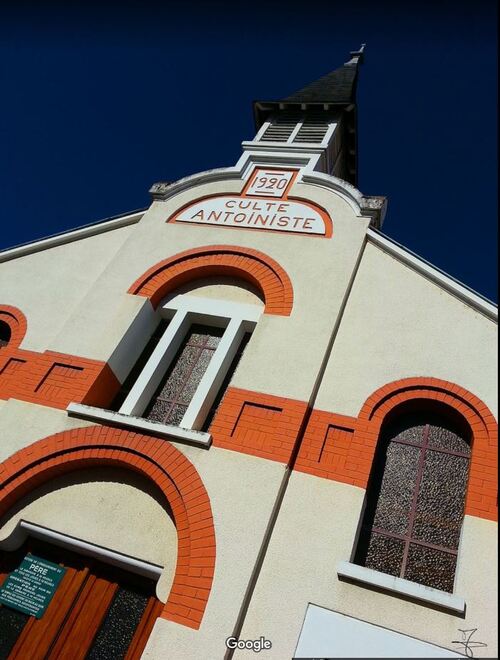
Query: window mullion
214	375
413	509
155	368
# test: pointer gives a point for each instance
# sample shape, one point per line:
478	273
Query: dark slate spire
336	88
334	93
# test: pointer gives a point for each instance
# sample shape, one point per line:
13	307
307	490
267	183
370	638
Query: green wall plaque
31	586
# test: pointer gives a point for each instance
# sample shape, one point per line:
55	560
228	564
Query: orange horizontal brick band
251	265
15	319
55	379
258	424
342	448
158	461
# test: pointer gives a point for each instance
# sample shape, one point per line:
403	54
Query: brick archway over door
158	461
232	261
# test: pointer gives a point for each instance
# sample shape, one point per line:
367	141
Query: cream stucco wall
397	324
315	530
23	423
48	286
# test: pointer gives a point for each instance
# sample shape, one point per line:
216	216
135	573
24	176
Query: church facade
246	421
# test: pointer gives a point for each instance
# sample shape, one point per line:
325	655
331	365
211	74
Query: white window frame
183	311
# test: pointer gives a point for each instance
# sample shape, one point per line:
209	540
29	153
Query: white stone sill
174	433
396	586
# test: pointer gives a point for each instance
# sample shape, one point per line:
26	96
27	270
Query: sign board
263	204
230	211
31	586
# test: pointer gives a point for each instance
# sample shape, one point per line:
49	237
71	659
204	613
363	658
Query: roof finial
357	56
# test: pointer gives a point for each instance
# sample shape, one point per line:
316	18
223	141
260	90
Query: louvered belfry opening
295	127
281	127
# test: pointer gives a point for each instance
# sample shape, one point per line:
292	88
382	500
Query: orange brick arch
227	260
17	323
482	489
158	461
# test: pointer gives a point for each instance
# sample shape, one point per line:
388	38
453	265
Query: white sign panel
228	211
327	634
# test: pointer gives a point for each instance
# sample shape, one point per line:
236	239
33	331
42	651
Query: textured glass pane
175	415
214	337
440	503
191	384
204	335
118	628
444	438
12	623
430	567
158	411
185	392
409	428
226	381
385	554
396	492
203	361
180	371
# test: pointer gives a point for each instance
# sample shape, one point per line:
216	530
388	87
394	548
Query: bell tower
319	119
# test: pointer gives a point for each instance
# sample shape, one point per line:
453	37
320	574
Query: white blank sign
327	634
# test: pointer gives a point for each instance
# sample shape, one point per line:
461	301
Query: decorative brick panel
329	449
258	424
251	265
55	379
156	459
11	367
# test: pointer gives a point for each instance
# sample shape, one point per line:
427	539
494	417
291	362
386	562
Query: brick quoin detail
342	448
17	323
258	424
226	260
157	460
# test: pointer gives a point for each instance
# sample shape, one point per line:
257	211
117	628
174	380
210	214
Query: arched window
5	333
185	368
415	498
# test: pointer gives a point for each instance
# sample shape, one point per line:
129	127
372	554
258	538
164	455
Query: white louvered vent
280	129
298	128
311	131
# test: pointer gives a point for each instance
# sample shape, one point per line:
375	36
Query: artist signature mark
467	642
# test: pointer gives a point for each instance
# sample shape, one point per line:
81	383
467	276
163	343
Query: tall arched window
415	498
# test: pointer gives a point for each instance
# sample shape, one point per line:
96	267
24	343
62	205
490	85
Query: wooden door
97	612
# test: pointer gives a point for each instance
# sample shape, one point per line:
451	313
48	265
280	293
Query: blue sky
99	102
